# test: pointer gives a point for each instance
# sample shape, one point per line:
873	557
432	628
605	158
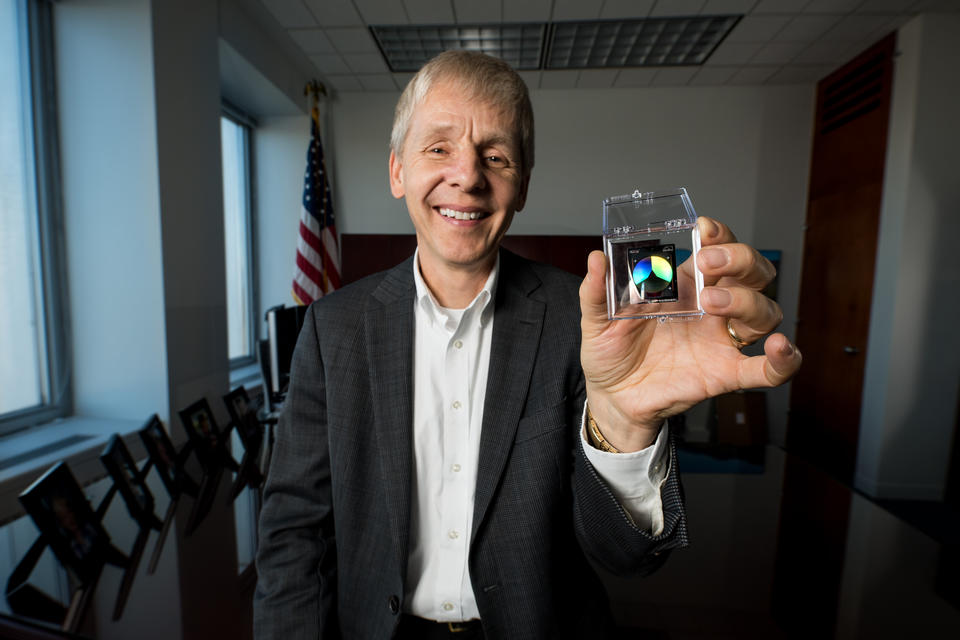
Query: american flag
318	256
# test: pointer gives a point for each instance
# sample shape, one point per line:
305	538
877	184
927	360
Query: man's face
461	175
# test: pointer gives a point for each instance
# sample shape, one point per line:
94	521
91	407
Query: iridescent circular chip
652	274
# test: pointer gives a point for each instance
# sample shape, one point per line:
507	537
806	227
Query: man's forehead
447	101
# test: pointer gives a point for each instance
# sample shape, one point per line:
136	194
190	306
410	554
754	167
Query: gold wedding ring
738	342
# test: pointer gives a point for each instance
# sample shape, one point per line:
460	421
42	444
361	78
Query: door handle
852	351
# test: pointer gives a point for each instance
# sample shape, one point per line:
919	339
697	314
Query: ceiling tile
334	13
382	11
531	78
779	6
778	53
822	53
290	13
635	77
713	75
477	11
831	6
529	11
727	7
365	62
352	40
344	83
429	11
757	28
576	9
669	8
943	6
807	28
402	79
885	6
795	74
311	40
752	75
854	27
377	82
626	9
597	78
729	53
674	76
330	64
565	79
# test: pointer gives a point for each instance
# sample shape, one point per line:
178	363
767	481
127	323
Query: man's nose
467	171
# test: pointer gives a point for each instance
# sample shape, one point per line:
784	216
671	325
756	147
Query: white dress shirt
451	361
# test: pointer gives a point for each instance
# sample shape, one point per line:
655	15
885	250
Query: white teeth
459	215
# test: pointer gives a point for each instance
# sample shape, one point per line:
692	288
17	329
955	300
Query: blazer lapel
389	337
518	321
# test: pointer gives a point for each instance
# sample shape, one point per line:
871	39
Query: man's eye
437	150
495	159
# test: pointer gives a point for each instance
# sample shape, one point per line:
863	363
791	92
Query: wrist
608	430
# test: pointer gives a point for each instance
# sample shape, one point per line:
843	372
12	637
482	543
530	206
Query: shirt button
447	606
458	344
455	468
453	534
456	404
393	602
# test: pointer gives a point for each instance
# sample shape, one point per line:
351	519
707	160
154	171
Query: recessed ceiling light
651	42
407	48
647	42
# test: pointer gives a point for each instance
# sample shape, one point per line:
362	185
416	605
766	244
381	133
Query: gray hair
482	77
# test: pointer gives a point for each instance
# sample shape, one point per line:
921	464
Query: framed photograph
126	476
59	508
162	453
202	430
244	416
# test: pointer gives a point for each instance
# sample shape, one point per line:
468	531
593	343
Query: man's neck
452	287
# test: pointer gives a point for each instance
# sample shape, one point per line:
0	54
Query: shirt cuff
634	478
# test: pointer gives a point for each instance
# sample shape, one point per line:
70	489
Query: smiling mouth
463	215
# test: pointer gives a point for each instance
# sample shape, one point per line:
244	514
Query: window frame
248	123
35	26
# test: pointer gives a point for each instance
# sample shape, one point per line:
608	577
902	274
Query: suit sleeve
296	557
608	534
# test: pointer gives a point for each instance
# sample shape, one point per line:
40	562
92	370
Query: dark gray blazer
334	529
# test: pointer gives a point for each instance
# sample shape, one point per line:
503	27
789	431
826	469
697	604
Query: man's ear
396	176
522	195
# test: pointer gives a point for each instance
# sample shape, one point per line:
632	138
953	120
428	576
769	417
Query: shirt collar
447	317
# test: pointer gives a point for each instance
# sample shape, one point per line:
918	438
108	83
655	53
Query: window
238	237
33	350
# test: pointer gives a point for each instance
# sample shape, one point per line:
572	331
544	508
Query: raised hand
639	372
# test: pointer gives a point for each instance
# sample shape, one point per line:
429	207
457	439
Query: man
437	471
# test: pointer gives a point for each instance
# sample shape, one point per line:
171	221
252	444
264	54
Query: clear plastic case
651	242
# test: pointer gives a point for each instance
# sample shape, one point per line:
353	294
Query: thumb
593	293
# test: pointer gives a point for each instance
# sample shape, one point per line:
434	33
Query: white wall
279	155
111	207
913	353
742	152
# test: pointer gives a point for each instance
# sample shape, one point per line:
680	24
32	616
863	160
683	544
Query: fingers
780	362
593	294
714	232
752	314
739	262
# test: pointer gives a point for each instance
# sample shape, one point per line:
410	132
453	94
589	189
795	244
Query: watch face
653	271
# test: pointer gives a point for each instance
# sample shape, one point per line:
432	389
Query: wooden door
836	288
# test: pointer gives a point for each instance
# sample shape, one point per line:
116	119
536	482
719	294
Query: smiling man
461	432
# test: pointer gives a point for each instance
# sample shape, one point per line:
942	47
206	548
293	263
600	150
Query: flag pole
314	89
317	269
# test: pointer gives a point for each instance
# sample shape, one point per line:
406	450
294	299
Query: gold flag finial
315	89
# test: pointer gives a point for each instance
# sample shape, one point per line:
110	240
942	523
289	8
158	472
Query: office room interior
829	507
